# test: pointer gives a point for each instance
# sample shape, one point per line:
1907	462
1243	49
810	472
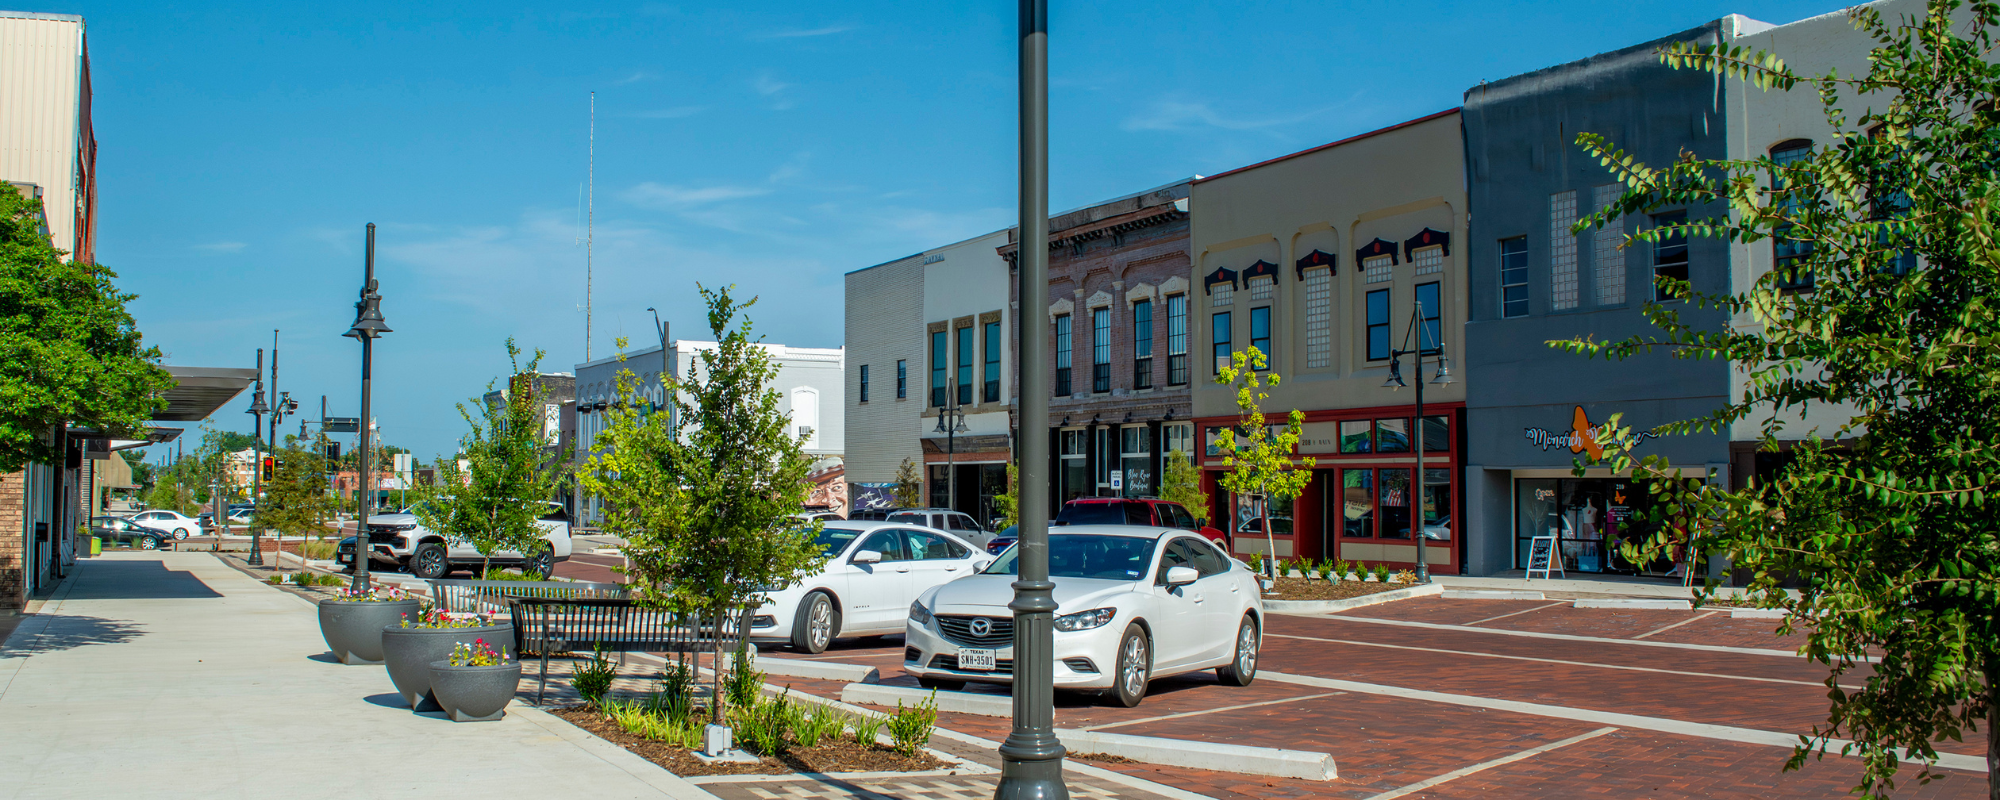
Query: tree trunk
715	660
1993	728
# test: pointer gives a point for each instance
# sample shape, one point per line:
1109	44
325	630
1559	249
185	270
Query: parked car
808	516
873	571
1003	540
179	525
117	530
1144	511
401	542
944	519
1133	604
871	514
1280	526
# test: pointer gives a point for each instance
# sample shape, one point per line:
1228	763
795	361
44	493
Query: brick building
1117	326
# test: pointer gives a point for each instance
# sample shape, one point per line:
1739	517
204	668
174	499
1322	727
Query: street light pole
368	325
951	423
1031	758
256	411
1395	381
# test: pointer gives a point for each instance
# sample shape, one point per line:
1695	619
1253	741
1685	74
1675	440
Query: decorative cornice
1426	238
1220	275
1317	258
1261	269
1379	247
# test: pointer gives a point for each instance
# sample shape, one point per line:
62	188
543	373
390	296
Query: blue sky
771	145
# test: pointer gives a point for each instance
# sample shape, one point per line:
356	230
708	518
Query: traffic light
269	464
333	451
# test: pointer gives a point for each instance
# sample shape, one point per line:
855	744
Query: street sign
343	425
1117	479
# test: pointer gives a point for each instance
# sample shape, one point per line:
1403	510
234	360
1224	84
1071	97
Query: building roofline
1328	145
76	18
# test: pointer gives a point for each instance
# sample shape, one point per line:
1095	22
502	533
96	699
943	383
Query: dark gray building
1532	281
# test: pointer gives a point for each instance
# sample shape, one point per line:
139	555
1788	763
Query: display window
1591	518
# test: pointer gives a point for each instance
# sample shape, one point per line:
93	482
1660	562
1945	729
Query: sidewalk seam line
1486	765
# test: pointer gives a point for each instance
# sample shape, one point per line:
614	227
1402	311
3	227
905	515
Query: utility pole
590	230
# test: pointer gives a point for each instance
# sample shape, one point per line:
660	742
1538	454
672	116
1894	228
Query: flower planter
408	653
353	629
474	694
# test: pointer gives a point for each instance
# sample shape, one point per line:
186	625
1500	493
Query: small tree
296	502
1259	461
1180	482
705	494
1882	515
511	473
909	485
1007	504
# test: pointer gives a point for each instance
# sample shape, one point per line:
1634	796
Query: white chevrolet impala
1133	604
873	571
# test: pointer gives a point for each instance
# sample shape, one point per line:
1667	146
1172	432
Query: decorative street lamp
368	326
1395	381
951	423
256	411
284	406
1031	758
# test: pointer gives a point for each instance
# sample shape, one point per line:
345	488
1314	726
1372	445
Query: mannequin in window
1587	518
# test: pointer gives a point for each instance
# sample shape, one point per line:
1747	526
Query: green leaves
511	471
1260	460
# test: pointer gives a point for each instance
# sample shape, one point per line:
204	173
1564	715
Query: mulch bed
1302	589
839	755
1101	758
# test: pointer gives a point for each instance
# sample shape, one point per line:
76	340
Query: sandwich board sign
1542	557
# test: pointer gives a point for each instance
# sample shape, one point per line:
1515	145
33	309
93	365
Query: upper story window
1319	317
1260	334
991	391
965	351
1177	340
1378	325
1221	295
1788	254
1378	268
1430	315
1606	259
1562	251
864	383
1670	252
1062	356
1514	277
1100	350
940	348
1142	344
1427	261
1219	339
902	379
1262	287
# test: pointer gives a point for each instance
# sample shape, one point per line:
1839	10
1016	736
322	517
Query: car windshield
1083	555
833	540
1102	514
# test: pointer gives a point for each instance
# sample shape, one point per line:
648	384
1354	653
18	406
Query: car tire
1242	669
816	624
180	534
1134	668
428	561
543	565
940	684
149	543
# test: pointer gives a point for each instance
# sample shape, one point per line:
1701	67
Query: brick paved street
1572	663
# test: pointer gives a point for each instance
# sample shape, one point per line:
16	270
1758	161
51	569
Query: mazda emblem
981	627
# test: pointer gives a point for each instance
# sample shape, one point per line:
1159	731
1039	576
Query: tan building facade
1322	259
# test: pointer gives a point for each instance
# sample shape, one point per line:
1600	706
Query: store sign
1580	438
1319	437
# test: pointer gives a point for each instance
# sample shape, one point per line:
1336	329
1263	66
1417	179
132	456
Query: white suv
959	523
400	540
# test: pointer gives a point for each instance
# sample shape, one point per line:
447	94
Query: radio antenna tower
590	229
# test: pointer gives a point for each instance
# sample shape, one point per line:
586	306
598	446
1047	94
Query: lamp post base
256	549
1423	573
1036	779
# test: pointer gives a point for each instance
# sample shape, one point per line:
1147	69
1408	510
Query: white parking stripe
1485	765
1711	648
1666	628
1519	613
1557	661
1210	711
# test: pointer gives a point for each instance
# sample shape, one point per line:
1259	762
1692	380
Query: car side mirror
1182	576
866	557
1201	522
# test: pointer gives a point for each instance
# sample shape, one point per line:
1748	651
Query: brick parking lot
1640	702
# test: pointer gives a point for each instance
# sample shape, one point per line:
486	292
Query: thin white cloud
675	198
803	33
768	85
1177	115
678	112
636	77
222	247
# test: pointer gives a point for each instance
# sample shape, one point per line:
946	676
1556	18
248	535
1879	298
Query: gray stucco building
1532	282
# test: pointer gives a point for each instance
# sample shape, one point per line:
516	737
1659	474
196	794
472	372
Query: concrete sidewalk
169	674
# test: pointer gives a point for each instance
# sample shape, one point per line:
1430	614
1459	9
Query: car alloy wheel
180	534
148	543
1242	670
429	561
816	625
1135	665
543	564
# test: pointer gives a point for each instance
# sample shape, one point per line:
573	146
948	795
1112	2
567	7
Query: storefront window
1392	436
1357	501
1589	517
1356	436
1395	486
1437	435
940	486
1179	438
1075	472
1101	450
1437	503
1135	457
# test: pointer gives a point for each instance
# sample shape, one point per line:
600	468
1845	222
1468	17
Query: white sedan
873	571
174	522
1132	604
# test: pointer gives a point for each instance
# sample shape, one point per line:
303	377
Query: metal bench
471	596
615	625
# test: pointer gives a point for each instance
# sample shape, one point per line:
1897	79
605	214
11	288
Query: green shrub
745	683
910	728
764	723
866	728
499	574
822	723
1257	563
593	679
675	699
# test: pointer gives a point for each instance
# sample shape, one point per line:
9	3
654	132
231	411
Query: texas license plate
976	660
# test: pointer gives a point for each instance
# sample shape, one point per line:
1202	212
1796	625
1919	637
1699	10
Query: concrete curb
1661	604
1324	606
824	670
1236	758
990	705
1491	594
654	775
1756	613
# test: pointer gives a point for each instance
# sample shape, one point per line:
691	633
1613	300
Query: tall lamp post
1435	349
951	423
1031	758
282	406
257	410
368	325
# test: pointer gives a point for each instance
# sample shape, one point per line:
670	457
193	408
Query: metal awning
199	391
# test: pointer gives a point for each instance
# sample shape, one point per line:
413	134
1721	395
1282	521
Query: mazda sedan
1133	604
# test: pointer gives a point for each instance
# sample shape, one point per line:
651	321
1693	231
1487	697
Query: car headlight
919	614
1085	620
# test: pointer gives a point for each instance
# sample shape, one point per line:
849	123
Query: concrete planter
408	653
353	629
474	694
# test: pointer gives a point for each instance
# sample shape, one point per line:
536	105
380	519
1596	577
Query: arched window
1787	254
805	415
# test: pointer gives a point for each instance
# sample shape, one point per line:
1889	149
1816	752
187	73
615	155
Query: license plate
976	660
